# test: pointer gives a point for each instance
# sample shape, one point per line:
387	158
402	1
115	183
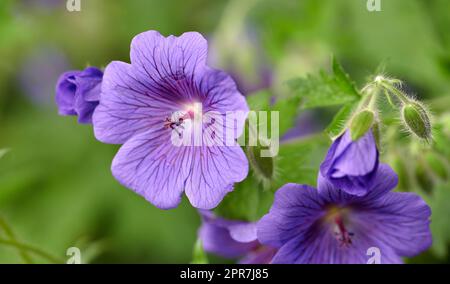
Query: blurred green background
56	188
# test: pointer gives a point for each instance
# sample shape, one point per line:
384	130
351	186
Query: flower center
338	217
179	121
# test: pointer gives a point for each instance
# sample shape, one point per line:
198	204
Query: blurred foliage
199	254
56	189
324	89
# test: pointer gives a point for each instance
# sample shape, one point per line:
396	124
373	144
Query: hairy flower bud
416	119
361	123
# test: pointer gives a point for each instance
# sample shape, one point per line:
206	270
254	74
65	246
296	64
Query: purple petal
360	156
294	209
127	107
89	82
165	60
262	255
384	181
168	75
65	93
84	109
212	174
351	165
320	246
399	220
217	239
78	93
221	95
153	168
243	232
299	223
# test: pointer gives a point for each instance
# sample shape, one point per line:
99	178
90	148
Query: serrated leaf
323	89
343	79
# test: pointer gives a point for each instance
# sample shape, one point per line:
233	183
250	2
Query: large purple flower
233	239
331	226
78	93
163	90
351	165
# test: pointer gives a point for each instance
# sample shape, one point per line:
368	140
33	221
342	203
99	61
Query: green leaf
243	202
259	100
298	160
440	227
325	89
288	111
288	108
198	254
344	80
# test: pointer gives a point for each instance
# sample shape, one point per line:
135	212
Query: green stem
372	101
389	99
10	234
32	249
370	93
400	95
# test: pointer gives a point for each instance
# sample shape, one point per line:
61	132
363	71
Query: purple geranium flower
233	239
78	93
351	165
331	226
144	103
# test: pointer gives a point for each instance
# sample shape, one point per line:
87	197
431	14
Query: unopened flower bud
417	120
361	123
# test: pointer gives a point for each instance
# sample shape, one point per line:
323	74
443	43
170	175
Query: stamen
336	217
177	121
342	235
